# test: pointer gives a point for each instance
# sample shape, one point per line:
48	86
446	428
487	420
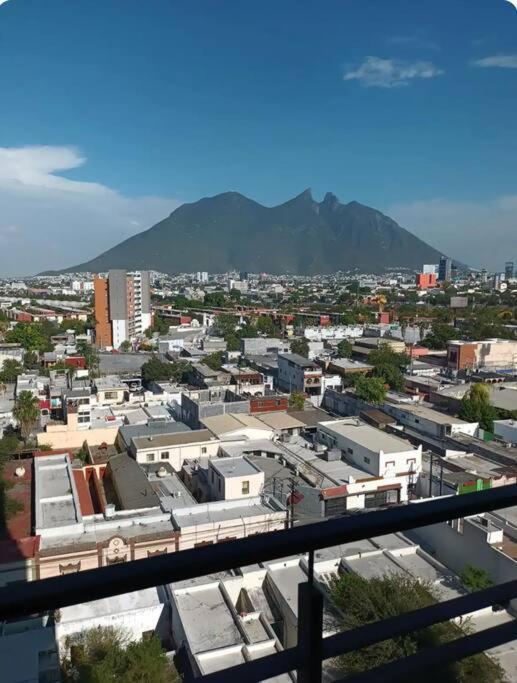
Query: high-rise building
202	276
122	307
445	269
508	270
429	269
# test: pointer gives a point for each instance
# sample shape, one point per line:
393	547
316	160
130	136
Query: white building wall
506	430
119	331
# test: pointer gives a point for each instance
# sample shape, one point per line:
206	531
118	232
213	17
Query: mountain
302	236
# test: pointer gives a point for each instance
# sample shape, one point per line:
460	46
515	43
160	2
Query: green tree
78	326
362	602
214	360
9	444
105	654
32	336
344	348
440	334
31	360
266	326
26	412
389	365
475	579
475	407
91	356
10	370
300	346
125	346
214	299
297	400
370	389
156	370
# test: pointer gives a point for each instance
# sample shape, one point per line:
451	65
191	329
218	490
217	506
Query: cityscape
266	433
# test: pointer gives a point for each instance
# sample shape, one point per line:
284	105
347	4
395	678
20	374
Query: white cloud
501	61
49	221
390	73
480	233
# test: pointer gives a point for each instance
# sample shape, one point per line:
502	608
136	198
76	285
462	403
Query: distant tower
508	270
445	269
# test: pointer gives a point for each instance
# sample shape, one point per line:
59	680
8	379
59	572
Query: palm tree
26	412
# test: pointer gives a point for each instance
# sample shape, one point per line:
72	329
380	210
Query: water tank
19	471
162	472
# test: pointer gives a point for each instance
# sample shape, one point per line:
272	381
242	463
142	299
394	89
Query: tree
214	360
474	578
440	334
389	365
475	407
31	360
362	602
344	348
32	336
300	346
104	654
26	412
10	370
156	370
266	326
91	356
370	389
297	400
125	346
78	326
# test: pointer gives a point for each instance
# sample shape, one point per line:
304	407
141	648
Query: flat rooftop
206	618
116	604
55	493
281	420
430	414
179	439
367	436
234	467
224	510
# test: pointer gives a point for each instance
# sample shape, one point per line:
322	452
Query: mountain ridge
301	236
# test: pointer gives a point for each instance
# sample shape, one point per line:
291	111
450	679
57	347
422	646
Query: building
296	373
425	280
233	478
429	269
491	354
506	430
428	421
174	448
508	270
445	269
122	307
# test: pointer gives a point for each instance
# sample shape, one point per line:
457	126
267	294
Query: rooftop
228	422
234	467
130	483
224	510
109	382
179	439
128	432
302	362
428	413
281	420
367	436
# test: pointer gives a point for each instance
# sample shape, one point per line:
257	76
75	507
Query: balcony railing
20	600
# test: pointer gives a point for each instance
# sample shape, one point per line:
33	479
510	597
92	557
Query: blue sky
112	112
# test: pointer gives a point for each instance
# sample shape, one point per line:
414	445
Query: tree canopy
344	348
370	389
104	654
297	400
475	407
362	602
156	370
26	411
11	368
300	346
32	336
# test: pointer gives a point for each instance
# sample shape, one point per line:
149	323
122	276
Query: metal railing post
310	633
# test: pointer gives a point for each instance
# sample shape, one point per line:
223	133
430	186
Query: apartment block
122	307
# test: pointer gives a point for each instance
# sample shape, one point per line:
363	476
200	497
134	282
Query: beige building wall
206	534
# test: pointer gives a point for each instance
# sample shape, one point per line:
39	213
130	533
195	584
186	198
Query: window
219	484
350	450
108	395
164	455
245	488
411	463
390	463
203	450
149	457
367	460
83	418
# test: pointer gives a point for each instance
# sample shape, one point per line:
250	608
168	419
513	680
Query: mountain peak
302	236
